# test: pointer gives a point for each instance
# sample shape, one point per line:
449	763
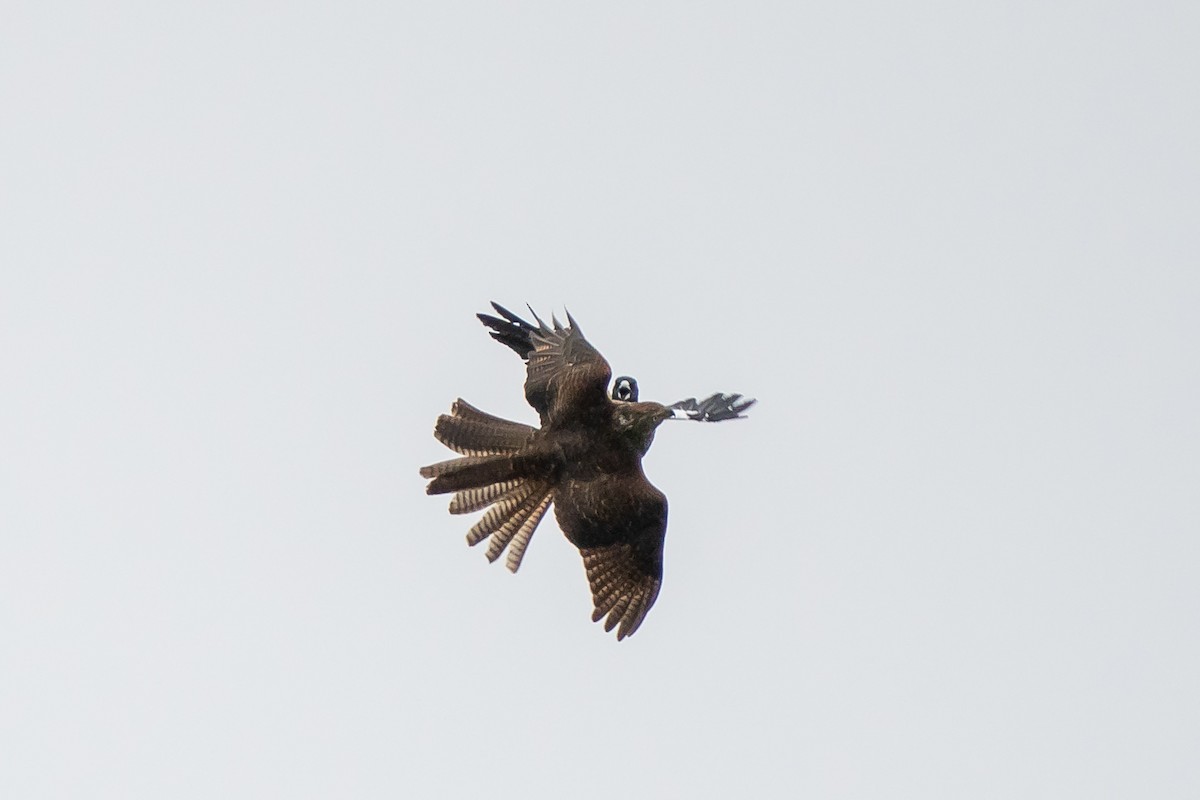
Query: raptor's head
637	422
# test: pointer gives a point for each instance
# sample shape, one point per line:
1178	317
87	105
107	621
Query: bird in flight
585	459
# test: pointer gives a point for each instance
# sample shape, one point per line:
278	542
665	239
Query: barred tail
474	472
494	474
511	521
489	445
470	432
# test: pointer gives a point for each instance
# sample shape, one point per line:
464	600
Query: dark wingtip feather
511	331
537	319
510	316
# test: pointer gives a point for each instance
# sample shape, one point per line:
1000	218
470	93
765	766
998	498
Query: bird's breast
605	508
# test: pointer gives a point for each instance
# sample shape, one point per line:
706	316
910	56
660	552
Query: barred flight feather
504	534
469	500
464	410
621	593
473	471
643	608
472	432
499	512
445	467
477	438
631	613
516	551
614	615
605	594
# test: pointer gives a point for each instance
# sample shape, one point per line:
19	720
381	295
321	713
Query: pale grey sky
952	248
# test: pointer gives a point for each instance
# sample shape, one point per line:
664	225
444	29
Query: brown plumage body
585	459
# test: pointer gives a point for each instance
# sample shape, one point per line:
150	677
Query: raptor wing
565	376
619	524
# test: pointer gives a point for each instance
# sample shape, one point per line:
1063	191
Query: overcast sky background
951	247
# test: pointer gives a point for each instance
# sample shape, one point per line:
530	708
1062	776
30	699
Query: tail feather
501	511
514	522
516	550
461	408
501	469
471	438
469	500
472	432
473	472
452	465
512	518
